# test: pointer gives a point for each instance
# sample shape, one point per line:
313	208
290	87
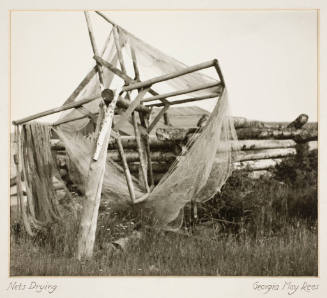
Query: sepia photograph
164	143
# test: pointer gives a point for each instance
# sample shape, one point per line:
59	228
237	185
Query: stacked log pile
261	145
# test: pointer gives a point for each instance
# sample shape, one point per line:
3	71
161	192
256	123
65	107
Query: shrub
267	204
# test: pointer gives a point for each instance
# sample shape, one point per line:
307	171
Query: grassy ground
292	252
265	227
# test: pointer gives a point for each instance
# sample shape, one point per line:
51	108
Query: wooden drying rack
135	106
105	119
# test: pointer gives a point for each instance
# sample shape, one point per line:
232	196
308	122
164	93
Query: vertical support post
126	169
145	139
94	181
143	169
143	177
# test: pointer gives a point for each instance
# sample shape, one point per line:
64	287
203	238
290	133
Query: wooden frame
104	125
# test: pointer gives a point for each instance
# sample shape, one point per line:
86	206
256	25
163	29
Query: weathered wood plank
93	187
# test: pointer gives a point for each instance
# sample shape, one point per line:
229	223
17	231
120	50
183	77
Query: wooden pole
119	50
135	66
87	78
81	86
106	18
219	72
124	76
124	117
137	78
93	188
130	110
176	102
157	118
121	102
94	47
145	137
126	169
106	126
166	77
63	121
55	110
144	142
181	92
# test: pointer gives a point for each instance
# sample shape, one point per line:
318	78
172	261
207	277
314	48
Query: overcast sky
269	58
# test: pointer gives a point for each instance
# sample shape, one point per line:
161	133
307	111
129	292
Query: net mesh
40	173
80	150
196	175
201	172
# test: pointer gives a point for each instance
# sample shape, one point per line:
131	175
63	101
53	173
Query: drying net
196	176
41	176
80	151
201	172
151	63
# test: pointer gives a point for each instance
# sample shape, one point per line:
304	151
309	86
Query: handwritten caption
32	286
286	286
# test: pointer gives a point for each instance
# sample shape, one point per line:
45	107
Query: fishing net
195	176
80	151
201	172
40	172
151	63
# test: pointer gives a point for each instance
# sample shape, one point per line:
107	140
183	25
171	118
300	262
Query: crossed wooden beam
137	105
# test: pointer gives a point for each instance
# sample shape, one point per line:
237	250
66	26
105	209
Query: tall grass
265	227
291	253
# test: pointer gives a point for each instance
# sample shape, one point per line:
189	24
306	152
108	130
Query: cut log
239	157
263	154
252	165
262	144
242	122
299	121
129	143
312	145
299	135
162	165
261	164
155	156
